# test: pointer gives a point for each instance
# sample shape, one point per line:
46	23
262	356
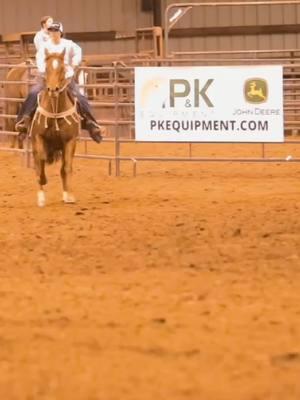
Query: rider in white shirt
73	56
42	35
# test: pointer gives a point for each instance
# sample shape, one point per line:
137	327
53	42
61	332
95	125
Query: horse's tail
53	156
53	152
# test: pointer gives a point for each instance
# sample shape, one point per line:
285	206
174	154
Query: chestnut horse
55	127
18	73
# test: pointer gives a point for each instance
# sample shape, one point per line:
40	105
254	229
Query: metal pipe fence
111	93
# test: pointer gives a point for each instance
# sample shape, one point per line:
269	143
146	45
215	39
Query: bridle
54	99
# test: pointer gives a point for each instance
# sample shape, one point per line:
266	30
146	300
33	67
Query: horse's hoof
41	198
68	198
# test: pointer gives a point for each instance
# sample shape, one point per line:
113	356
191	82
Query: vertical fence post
28	139
117	130
263	150
27	152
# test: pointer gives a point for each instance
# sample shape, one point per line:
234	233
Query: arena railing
113	93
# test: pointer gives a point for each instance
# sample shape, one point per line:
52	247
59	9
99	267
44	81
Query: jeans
84	106
30	104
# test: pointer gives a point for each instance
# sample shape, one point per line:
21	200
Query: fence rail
111	93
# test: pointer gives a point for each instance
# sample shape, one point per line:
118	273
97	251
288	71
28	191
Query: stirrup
23	125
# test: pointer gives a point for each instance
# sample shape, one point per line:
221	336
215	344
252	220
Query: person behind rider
42	35
73	57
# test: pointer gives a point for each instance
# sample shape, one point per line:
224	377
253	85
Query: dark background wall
226	16
77	15
125	16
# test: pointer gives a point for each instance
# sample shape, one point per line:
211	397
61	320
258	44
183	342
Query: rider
43	35
73	56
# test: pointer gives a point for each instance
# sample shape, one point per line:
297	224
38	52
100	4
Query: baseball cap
56	26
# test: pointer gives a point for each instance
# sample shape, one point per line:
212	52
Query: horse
18	73
55	127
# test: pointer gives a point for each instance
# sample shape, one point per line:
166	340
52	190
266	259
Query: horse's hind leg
66	171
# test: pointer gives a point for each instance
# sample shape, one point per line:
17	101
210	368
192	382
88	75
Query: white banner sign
209	104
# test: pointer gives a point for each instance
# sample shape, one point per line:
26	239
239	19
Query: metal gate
111	93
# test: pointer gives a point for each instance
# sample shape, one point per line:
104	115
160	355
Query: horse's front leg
39	157
67	169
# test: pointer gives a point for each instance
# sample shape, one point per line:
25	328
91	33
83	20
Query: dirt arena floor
182	283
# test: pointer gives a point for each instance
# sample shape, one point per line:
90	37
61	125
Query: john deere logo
256	90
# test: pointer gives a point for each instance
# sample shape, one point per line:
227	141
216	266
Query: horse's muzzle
53	92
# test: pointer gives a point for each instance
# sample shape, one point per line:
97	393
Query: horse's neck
61	103
17	73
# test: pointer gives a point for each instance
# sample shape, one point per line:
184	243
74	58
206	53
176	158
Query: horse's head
55	72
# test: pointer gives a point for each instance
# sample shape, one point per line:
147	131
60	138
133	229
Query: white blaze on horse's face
55	64
54	74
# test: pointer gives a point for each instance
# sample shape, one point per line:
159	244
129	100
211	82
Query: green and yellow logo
256	90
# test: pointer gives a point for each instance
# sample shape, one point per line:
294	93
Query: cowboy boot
94	130
23	126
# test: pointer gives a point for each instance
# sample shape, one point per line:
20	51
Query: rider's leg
28	107
89	121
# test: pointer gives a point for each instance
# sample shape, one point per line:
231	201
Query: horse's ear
63	52
46	53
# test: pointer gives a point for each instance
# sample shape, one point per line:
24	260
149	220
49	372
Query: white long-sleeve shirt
73	55
40	38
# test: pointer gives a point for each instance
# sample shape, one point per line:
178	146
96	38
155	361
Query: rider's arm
40	59
76	55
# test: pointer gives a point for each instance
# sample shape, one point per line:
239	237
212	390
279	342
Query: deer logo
256	90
